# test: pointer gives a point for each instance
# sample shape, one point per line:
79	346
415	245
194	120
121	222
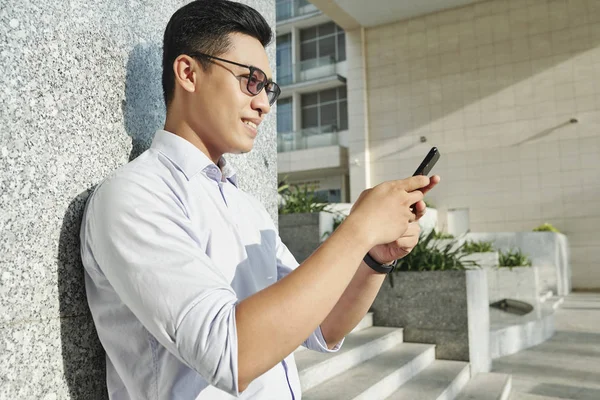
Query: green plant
471	246
442	235
430	255
296	199
513	258
546	227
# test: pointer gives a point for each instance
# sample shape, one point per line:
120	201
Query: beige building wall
493	86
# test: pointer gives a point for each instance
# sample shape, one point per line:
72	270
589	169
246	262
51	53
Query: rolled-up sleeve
286	263
144	245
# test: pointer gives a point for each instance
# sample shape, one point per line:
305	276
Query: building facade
312	112
508	90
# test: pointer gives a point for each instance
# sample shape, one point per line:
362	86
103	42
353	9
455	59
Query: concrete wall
493	85
80	96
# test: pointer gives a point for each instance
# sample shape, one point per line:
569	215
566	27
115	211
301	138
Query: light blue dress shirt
170	245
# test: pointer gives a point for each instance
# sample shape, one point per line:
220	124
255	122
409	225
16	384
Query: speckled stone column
80	95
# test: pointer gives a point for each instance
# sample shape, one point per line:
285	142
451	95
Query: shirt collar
191	160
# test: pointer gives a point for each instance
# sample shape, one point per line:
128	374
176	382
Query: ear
185	71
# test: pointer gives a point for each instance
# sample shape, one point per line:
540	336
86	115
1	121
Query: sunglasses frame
268	85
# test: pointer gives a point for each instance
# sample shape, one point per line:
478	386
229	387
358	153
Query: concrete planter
547	250
446	308
519	283
303	233
484	260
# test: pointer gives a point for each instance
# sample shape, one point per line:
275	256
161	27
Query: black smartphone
428	162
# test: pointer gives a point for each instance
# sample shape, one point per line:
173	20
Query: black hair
204	26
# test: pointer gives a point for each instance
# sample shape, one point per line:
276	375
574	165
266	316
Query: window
326	40
329	195
284	115
284	59
326	110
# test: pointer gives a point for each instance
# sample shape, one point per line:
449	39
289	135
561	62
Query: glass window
308	50
284	59
343	115
328	95
327	110
329	116
310	99
323	41
327	46
285	115
341	46
308	33
310	117
326	29
329	195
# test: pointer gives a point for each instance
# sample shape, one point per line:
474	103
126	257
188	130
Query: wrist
356	230
377	266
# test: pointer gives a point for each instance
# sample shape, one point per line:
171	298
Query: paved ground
568	365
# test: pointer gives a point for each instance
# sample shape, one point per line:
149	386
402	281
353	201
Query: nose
260	103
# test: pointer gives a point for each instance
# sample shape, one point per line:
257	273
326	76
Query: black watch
381	268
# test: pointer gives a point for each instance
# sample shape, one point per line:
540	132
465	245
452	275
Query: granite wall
80	95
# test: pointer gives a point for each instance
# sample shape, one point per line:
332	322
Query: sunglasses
256	80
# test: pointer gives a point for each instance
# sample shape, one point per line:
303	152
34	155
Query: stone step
530	396
442	380
315	368
364	323
378	377
487	386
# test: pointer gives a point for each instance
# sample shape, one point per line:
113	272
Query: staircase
374	363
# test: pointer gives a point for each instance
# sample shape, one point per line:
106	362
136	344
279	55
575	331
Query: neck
182	129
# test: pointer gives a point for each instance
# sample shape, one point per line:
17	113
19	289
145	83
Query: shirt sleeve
145	246
286	263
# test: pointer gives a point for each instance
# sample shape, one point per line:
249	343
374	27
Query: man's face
221	112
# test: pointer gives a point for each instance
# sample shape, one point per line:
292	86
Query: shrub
478	247
429	255
442	235
513	258
546	227
296	199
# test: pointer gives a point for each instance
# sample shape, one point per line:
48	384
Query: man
193	294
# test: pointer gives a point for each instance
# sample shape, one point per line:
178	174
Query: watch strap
381	268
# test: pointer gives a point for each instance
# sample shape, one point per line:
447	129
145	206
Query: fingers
414	197
434	180
415	182
419	209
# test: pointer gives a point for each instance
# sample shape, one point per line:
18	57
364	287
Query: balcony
307	70
322	136
288	9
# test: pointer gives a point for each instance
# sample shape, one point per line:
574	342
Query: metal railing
288	9
309	138
307	70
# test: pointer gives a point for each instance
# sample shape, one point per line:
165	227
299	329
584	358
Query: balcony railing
308	138
288	9
307	70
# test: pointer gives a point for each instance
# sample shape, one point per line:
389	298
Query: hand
420	207
386	253
383	213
